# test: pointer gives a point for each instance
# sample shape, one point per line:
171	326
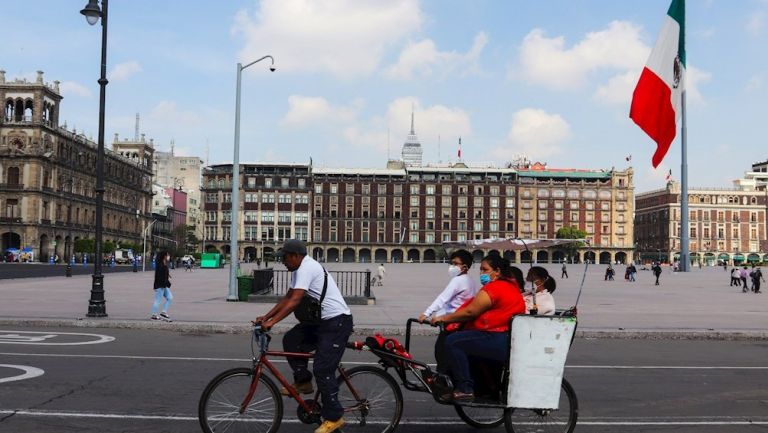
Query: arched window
14	177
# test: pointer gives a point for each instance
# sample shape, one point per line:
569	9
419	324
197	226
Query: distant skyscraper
412	148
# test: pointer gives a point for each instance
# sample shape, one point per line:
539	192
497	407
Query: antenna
136	130
173	144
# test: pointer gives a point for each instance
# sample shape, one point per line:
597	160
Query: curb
239	328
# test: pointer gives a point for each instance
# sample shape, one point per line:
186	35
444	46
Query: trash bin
263	280
244	287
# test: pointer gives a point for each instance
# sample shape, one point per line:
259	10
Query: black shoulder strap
325	286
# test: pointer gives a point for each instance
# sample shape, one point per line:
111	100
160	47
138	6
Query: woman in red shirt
486	318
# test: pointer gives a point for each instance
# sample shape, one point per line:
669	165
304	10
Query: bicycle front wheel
372	400
545	420
219	407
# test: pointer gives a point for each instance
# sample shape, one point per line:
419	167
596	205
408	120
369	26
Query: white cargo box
538	350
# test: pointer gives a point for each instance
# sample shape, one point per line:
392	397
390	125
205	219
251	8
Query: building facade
727	225
48	174
405	214
181	173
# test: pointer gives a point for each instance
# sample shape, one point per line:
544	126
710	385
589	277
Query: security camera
272	68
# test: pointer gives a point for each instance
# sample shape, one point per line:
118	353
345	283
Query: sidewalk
699	304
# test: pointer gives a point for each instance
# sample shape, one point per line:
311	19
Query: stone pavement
699	304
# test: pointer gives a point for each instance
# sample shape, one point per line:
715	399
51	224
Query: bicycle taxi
529	394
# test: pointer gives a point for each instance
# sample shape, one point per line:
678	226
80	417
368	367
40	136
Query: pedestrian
327	336
632	272
626	274
258	262
461	288
564	273
188	265
735	281
162	287
381	272
757	276
656	272
743	274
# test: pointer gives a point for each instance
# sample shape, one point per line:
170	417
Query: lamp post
97	304
234	221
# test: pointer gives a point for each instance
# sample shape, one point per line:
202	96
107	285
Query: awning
515	244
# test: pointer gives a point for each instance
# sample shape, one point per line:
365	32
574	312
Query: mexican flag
656	102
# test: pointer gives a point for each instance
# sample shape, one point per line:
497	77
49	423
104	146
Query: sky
551	80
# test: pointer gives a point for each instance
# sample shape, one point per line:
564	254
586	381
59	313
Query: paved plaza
696	303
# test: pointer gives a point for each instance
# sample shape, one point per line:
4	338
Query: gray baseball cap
292	246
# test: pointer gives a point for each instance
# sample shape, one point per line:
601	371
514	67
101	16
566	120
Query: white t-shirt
459	290
545	303
310	277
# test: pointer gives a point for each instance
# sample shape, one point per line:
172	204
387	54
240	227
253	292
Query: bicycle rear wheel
545	420
372	400
219	407
480	417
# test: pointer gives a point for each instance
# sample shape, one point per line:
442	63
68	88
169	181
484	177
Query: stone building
48	175
181	173
726	224
404	214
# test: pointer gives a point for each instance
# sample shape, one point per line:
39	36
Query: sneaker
459	397
330	426
166	317
155	317
301	388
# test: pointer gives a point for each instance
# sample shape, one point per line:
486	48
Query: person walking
757	276
632	272
656	272
162	287
735	281
381	273
743	274
327	336
564	273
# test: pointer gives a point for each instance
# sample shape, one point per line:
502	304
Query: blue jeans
479	344
328	339
163	292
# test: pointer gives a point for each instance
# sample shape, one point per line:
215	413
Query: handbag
310	309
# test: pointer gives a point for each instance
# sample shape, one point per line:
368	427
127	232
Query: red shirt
506	301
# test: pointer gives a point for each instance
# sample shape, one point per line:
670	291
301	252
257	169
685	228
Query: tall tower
412	148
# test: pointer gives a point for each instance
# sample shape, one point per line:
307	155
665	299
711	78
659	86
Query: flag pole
685	262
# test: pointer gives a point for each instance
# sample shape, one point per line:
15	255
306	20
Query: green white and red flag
657	100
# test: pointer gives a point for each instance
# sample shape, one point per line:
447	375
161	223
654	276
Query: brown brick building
404	214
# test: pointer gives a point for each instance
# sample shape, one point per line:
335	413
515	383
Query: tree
571	232
85	245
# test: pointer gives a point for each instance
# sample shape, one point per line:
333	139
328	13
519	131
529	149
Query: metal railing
355	284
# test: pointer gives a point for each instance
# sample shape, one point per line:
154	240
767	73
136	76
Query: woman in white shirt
544	285
460	289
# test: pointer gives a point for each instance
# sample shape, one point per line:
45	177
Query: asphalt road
151	380
36	270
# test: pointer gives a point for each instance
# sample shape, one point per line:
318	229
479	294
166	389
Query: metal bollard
69	270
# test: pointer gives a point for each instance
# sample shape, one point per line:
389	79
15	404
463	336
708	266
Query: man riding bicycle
327	337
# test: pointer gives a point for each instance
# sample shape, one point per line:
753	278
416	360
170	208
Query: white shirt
459	290
310	277
545	303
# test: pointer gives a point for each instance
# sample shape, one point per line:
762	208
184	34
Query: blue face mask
485	279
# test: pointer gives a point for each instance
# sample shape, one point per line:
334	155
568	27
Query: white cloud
754	83
694	77
304	110
534	133
548	62
423	58
123	71
756	23
619	88
75	89
167	113
345	38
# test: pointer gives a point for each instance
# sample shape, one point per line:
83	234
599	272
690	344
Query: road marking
15	337
703	421
29	372
282	361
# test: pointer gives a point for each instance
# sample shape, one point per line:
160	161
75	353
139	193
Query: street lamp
97	304
234	220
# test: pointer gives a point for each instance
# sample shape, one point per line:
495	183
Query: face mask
454	271
485	279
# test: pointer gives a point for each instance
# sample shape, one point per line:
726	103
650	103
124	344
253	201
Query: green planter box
244	287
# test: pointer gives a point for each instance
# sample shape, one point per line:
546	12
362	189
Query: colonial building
404	214
181	173
726	224
274	206
48	175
